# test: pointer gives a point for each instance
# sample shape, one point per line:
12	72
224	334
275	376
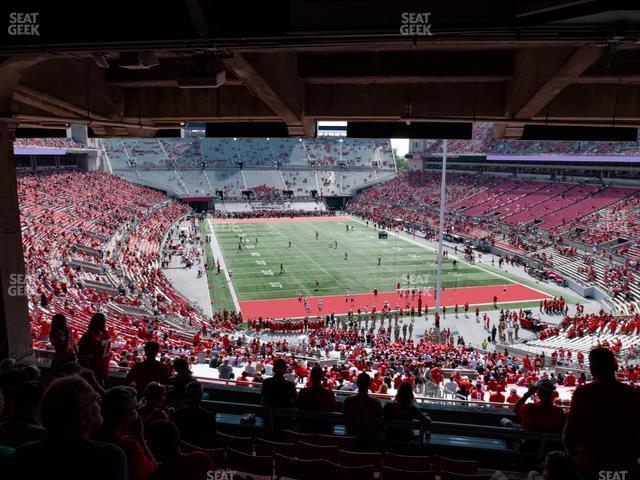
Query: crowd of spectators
59	143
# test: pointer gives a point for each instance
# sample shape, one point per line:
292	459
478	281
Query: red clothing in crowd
149	371
541	417
94	352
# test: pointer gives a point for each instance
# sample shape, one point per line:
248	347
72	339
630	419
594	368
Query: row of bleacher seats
72	217
324	456
228	152
483	142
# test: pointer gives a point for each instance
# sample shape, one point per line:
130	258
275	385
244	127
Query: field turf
256	268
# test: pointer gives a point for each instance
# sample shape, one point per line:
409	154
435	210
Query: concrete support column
15	331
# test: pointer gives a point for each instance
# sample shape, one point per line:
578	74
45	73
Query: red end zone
221	221
292	308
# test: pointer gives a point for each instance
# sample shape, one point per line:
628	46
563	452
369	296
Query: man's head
545	389
602	363
151	349
155	394
119	407
180	365
363	382
279	367
193	393
71	406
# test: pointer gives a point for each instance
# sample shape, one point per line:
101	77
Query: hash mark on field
260	262
275	285
251	247
255	254
267	272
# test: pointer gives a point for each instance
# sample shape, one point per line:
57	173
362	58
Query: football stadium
316	239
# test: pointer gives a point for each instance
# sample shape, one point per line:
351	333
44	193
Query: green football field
256	268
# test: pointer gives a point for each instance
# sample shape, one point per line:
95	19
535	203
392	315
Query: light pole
441	229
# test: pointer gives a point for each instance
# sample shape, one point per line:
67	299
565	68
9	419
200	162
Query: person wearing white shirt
268	369
451	387
250	369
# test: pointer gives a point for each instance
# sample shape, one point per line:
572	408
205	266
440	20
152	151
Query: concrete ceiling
294	63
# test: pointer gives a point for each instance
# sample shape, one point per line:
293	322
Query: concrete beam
541	74
15	331
388	102
273	78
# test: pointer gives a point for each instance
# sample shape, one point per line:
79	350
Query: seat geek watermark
612	474
415	24
17	285
220	474
24	24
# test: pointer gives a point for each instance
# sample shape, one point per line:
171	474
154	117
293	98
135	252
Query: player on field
346	255
379	260
336	243
317	284
289	243
317	234
281	268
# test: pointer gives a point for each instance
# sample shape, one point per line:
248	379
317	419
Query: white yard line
217	252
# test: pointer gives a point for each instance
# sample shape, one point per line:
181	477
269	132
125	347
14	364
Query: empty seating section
300	181
326	164
597	199
270	178
500	203
524	209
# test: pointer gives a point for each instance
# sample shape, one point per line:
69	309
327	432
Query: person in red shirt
570	380
496	397
149	370
603	425
123	427
94	348
513	396
477	393
436	375
376	382
543	415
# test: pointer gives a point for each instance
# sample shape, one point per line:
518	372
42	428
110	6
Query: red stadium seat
252	464
242	444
